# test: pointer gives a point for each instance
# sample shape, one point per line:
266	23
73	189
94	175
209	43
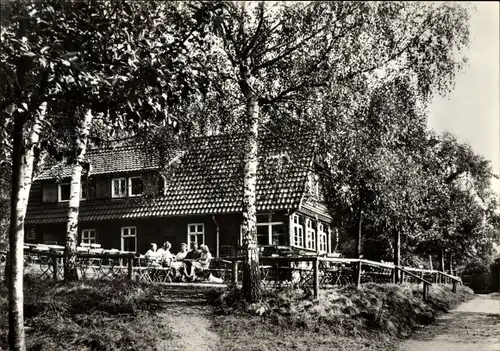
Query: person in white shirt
152	255
165	254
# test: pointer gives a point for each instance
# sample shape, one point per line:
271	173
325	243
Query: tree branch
392	57
289	51
251	45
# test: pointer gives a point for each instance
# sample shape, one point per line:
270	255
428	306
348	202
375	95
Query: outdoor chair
151	270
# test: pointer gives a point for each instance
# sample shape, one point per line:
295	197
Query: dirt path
188	320
473	326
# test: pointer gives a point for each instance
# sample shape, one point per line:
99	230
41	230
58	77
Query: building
128	201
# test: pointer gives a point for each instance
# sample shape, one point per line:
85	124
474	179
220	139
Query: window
31	234
162	185
49	238
63	193
65	189
323	238
269	232
84	192
89	236
119	187
333	239
196	233
310	235
298	230
135	186
129	239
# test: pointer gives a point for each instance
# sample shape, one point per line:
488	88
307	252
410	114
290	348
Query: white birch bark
22	171
70	269
251	271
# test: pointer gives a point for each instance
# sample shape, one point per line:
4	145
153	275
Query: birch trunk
70	268
450	257
397	253
359	229
251	271
441	259
22	171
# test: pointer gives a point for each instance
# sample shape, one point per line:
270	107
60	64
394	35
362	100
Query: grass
88	316
93	315
369	318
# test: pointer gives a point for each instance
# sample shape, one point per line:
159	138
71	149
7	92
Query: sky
471	111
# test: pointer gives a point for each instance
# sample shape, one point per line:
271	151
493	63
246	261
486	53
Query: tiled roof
108	160
208	181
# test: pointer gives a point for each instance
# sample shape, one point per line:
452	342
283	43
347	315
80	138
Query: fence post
234	268
425	291
130	266
316	277
394	275
358	274
454	288
277	282
55	265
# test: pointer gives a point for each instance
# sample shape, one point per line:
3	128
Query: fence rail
323	273
310	272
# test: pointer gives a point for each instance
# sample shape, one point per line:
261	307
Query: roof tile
208	181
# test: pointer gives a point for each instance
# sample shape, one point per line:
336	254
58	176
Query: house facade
128	201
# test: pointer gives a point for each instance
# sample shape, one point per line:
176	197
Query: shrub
393	310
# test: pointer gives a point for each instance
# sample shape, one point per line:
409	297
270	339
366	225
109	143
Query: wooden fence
310	272
323	273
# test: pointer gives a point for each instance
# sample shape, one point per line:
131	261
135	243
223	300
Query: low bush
89	315
373	311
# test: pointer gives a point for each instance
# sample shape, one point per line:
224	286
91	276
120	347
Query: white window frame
270	225
128	235
89	239
323	238
296	226
113	187
130	186
196	232
59	192
163	180
310	235
82	193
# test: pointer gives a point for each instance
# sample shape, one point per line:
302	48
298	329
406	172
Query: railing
309	272
317	273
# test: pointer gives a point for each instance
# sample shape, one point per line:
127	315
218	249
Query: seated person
177	263
202	263
165	255
195	253
191	256
151	255
182	254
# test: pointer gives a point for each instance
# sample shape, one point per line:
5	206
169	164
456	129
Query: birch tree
288	56
25	83
132	69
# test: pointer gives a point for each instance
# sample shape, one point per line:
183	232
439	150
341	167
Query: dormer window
162	185
135	186
84	192
63	192
119	187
